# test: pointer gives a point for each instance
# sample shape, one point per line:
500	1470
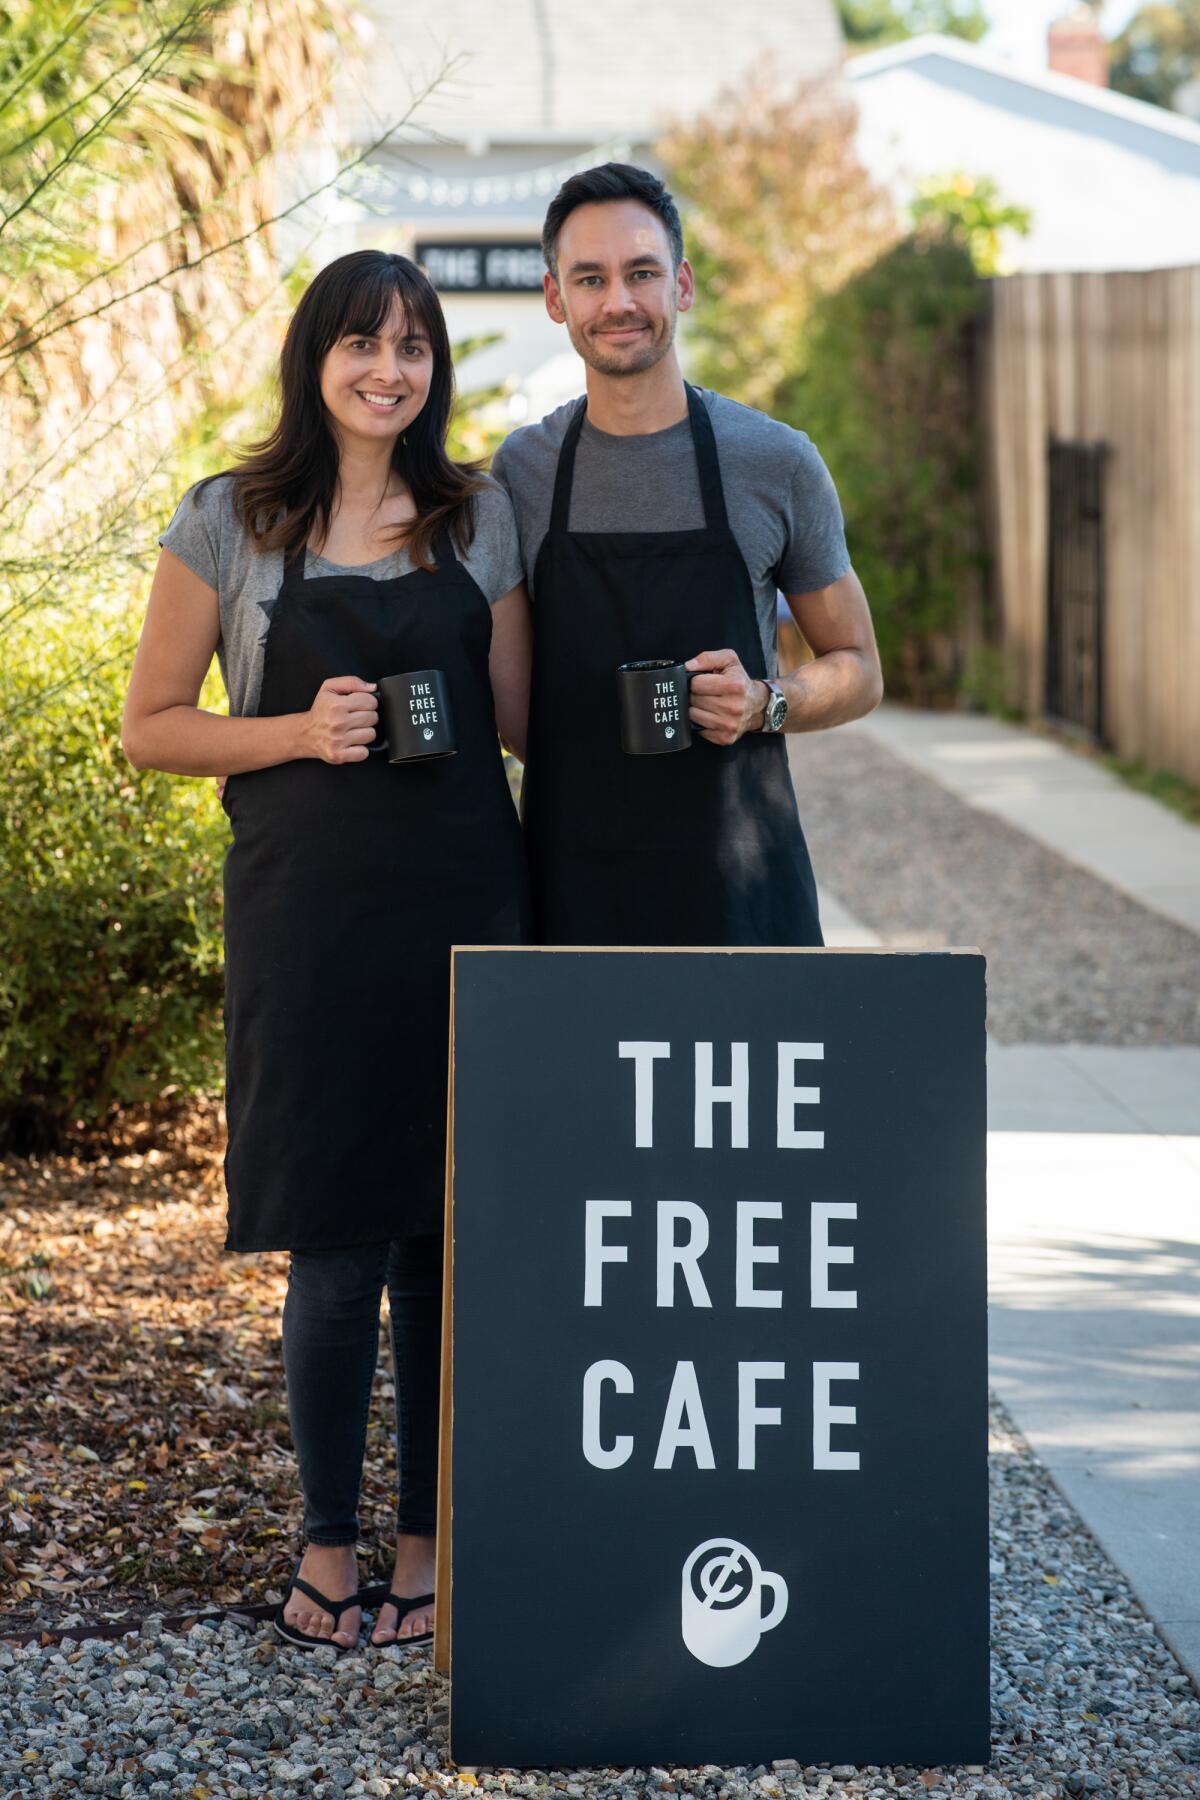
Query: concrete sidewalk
1094	1298
1094	1291
1067	801
1093	1184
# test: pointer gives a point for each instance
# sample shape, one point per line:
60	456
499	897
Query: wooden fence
1109	359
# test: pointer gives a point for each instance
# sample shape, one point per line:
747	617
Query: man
658	521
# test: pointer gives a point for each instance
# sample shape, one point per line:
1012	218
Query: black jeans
330	1348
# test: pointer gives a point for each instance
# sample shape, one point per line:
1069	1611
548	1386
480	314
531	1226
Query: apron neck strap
565	473
442	548
708	468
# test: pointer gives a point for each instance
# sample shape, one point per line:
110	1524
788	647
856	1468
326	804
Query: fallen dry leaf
145	1457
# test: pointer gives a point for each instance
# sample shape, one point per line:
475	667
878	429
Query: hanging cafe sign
469	267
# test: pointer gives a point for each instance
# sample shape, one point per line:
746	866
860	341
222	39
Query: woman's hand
508	666
341	721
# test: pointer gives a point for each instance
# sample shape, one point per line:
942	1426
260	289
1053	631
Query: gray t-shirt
783	507
206	534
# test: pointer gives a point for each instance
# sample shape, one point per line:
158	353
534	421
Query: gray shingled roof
580	70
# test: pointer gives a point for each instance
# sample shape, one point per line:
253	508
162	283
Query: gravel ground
1086	1700
1070	960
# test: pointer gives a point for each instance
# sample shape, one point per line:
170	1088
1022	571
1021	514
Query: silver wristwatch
777	707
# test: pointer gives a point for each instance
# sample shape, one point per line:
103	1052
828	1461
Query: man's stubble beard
646	358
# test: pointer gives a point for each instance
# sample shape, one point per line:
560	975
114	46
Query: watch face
776	712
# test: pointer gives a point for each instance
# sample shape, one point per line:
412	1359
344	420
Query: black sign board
718	1482
483	268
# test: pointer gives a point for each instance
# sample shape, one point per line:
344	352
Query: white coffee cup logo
427	734
723	1618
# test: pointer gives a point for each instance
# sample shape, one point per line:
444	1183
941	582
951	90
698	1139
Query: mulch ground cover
145	1457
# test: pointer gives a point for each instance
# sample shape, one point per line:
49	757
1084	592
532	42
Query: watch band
776	710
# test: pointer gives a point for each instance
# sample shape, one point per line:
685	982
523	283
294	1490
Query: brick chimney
1075	46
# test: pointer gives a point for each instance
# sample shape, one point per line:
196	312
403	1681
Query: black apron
345	886
699	847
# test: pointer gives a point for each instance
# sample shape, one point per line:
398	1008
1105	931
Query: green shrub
888	396
110	895
988	683
140	297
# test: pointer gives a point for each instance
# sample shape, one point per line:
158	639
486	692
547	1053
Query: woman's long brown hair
284	489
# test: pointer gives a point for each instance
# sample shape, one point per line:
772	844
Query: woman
347	548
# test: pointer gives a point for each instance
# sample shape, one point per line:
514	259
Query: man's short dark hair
610	181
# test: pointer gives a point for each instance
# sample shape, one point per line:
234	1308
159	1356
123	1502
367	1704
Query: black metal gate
1075	588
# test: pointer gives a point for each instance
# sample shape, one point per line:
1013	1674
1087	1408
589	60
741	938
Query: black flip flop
305	1640
404	1603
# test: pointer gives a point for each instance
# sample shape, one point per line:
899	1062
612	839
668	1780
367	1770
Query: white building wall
1106	191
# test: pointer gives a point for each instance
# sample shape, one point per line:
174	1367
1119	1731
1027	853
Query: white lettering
644	1054
453	268
683	1404
595	1251
824	1253
750	1414
685	1426
685	1256
622	1447
749	1253
787	1137
825	1416
736	1095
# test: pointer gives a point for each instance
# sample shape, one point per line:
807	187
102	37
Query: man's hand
725	701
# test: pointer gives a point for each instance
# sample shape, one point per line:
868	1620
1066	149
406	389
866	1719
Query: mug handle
381	744
778	1587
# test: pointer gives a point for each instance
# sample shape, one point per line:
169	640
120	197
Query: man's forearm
831	690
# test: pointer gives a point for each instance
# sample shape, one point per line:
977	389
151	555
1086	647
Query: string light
486	191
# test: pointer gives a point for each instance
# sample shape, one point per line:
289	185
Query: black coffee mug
654	707
415	723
